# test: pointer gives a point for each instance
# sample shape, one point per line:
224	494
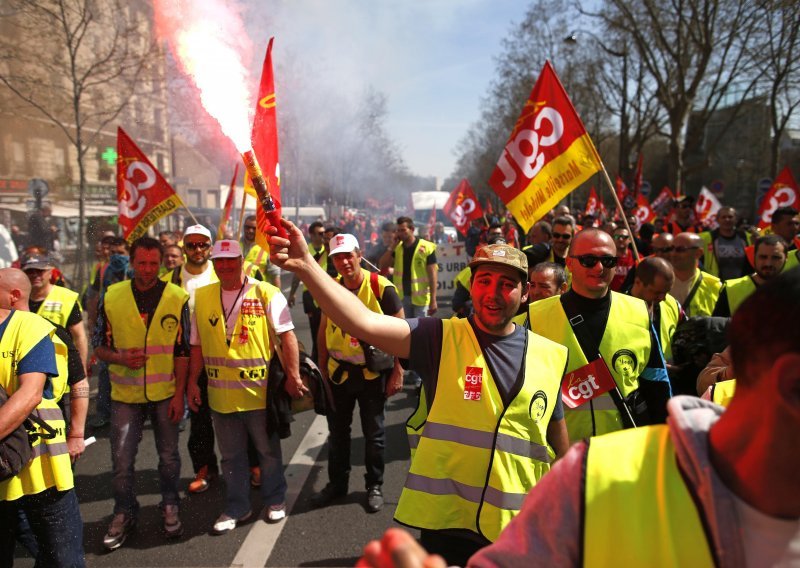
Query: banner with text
548	154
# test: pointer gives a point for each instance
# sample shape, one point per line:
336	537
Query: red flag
548	154
592	204
432	221
706	207
489	207
622	189
226	210
588	382
143	194
265	144
637	181
664	201
644	213
783	193
462	206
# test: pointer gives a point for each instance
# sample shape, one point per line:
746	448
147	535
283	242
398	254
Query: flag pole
241	215
619	206
196	222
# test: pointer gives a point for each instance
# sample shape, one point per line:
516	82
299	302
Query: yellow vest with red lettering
627	334
420	290
50	466
344	347
477	459
155	381
638	510
237	373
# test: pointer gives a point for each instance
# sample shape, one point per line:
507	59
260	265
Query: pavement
332	536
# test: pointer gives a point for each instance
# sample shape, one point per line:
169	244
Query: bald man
611	341
654	278
697	291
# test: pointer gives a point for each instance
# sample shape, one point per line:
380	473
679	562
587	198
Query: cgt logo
524	149
585	389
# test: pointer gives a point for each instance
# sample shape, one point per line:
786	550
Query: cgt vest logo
586	383
473	383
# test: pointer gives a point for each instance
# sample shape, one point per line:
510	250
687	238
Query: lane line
260	541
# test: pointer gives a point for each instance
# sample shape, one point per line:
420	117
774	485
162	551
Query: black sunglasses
663	250
684	249
590	260
196	246
565	236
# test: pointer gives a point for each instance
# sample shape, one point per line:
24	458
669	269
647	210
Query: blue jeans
127	423
412	311
232	431
371	400
103	401
55	519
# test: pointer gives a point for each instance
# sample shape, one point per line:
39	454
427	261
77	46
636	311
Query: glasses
318	233
249	227
197	246
591	260
564	236
663	250
622	237
684	249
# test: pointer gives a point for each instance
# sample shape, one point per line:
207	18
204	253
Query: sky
434	59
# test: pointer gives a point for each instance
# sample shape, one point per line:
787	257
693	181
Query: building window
212	199
18	157
194	198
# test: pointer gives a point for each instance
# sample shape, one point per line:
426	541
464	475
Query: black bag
695	340
376	360
16	449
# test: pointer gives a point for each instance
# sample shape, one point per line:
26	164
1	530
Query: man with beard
485	379
770	257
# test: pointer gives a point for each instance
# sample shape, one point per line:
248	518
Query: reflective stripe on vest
155	380
237	373
739	289
638	510
344	347
50	465
58	305
627	332
477	459
420	291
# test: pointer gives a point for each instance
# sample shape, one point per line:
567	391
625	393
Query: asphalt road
332	536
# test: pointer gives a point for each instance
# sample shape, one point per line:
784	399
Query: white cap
197	230
343	242
226	249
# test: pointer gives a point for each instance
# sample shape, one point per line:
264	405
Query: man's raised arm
385	332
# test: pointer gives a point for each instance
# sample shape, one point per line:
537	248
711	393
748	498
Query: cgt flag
783	193
265	145
663	203
643	211
592	204
462	207
143	194
588	382
706	207
548	154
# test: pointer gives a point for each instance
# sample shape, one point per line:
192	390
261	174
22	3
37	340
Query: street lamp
622	166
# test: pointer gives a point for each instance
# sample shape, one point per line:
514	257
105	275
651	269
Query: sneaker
374	499
276	513
328	494
172	522
255	476
224	523
202	480
119	529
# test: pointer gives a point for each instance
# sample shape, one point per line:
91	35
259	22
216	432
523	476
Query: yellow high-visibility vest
625	348
420	290
50	466
237	373
638	510
58	305
155	381
477	459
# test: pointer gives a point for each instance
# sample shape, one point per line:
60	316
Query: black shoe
328	494
374	499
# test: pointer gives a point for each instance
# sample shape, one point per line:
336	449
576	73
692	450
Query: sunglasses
249	227
663	250
684	249
590	260
197	246
622	237
564	236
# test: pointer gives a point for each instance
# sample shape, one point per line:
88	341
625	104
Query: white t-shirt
191	282
768	541
681	288
277	311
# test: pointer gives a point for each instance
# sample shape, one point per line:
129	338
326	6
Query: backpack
16	449
695	340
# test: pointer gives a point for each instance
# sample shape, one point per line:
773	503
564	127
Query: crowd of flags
548	154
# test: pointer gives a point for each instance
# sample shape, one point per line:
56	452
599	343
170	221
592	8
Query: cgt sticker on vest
473	383
586	383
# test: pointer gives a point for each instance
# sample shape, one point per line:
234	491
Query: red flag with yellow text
143	194
463	206
265	145
548	154
783	193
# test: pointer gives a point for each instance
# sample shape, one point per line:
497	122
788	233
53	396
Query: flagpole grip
620	209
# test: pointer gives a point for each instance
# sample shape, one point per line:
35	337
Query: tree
78	64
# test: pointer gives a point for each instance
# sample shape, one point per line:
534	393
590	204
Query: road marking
260	541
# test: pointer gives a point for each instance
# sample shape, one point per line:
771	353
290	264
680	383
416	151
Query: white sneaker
276	513
224	523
